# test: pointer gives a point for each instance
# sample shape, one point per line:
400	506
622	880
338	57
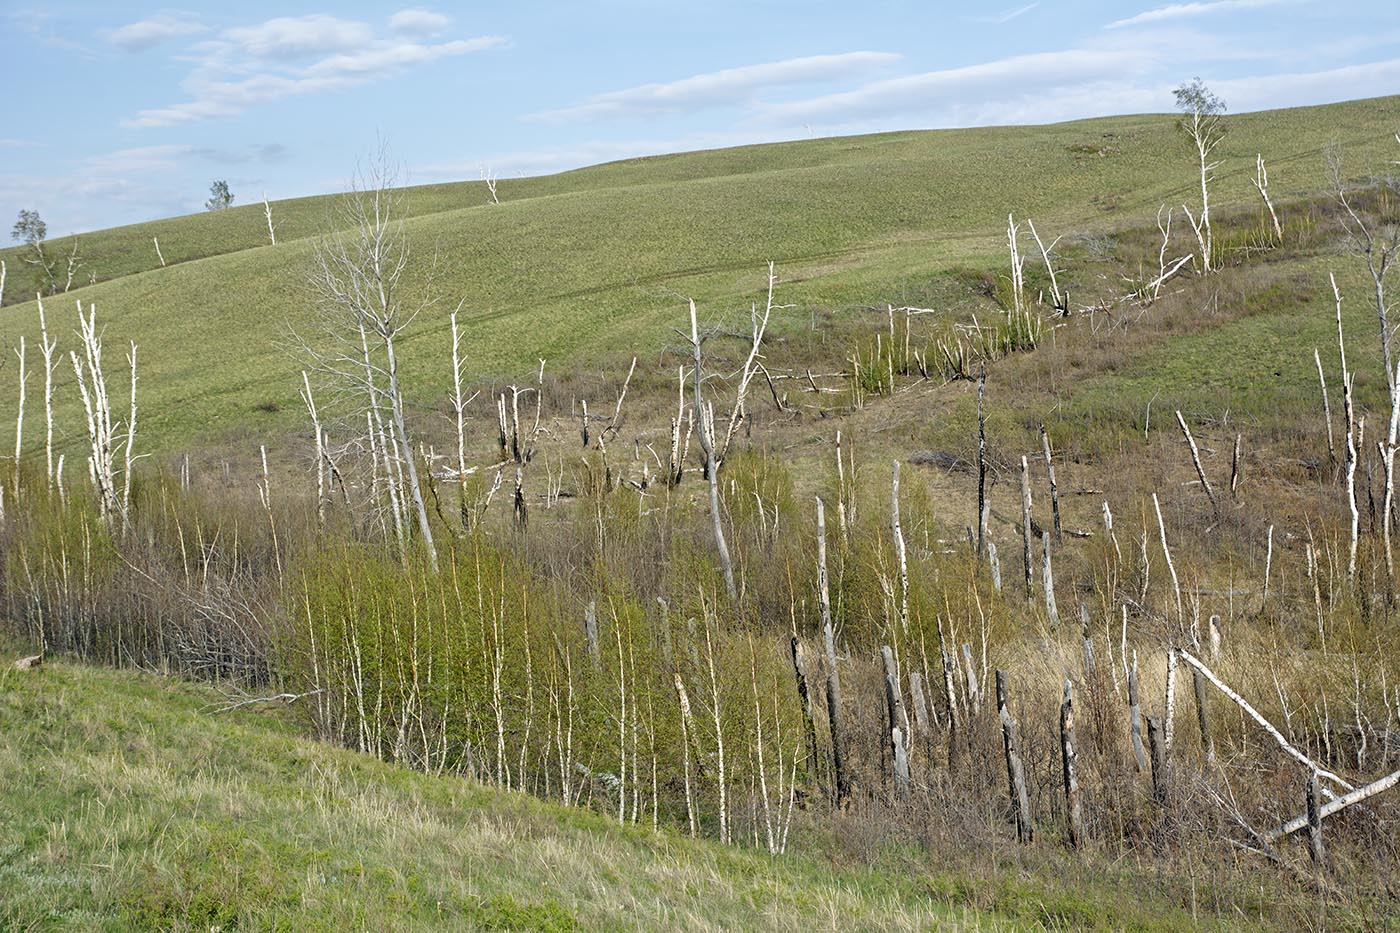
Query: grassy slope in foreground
592	262
125	803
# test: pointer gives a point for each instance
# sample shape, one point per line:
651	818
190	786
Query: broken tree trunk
1015	771
897	722
1196	461
1203	717
1054	488
809	729
1026	528
1074	811
1326	409
897	533
1159	760
1315	848
1047	582
916	693
1135	717
833	680
983	505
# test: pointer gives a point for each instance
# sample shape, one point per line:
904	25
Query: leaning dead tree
364	303
1203	124
1261	184
705	415
1059	298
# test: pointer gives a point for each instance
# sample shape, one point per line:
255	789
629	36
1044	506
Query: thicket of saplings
881	664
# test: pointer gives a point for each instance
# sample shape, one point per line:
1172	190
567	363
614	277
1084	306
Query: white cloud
383	58
299	36
1183	10
938	91
17	143
718	88
418	23
1296	89
290	57
134	37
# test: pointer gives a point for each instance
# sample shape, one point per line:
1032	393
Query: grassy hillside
125	801
589	264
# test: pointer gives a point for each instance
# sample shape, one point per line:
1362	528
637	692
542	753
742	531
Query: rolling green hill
589	264
128	801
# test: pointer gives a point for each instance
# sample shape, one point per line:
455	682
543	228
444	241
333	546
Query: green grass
588	265
125	803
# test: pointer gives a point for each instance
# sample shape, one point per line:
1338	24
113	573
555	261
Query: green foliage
29	228
220	198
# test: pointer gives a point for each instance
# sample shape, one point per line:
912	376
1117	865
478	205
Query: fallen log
1268	727
1335	805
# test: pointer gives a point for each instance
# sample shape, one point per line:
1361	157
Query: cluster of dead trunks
1327	793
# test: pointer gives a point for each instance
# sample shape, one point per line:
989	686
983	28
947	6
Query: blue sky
121	112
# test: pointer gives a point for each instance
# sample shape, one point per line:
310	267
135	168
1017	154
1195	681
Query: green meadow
591	265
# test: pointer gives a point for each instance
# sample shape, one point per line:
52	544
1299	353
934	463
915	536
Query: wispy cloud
143	34
146	159
944	90
1006	16
718	88
1184	10
1301	88
418	23
289	57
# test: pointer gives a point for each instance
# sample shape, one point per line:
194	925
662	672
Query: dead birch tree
127	458
1018	266
1059	299
19	418
833	677
1349	460
92	389
359	282
753	363
900	553
1196	462
267	212
310	401
984	506
1261	184
1203	125
705	416
47	348
1378	243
